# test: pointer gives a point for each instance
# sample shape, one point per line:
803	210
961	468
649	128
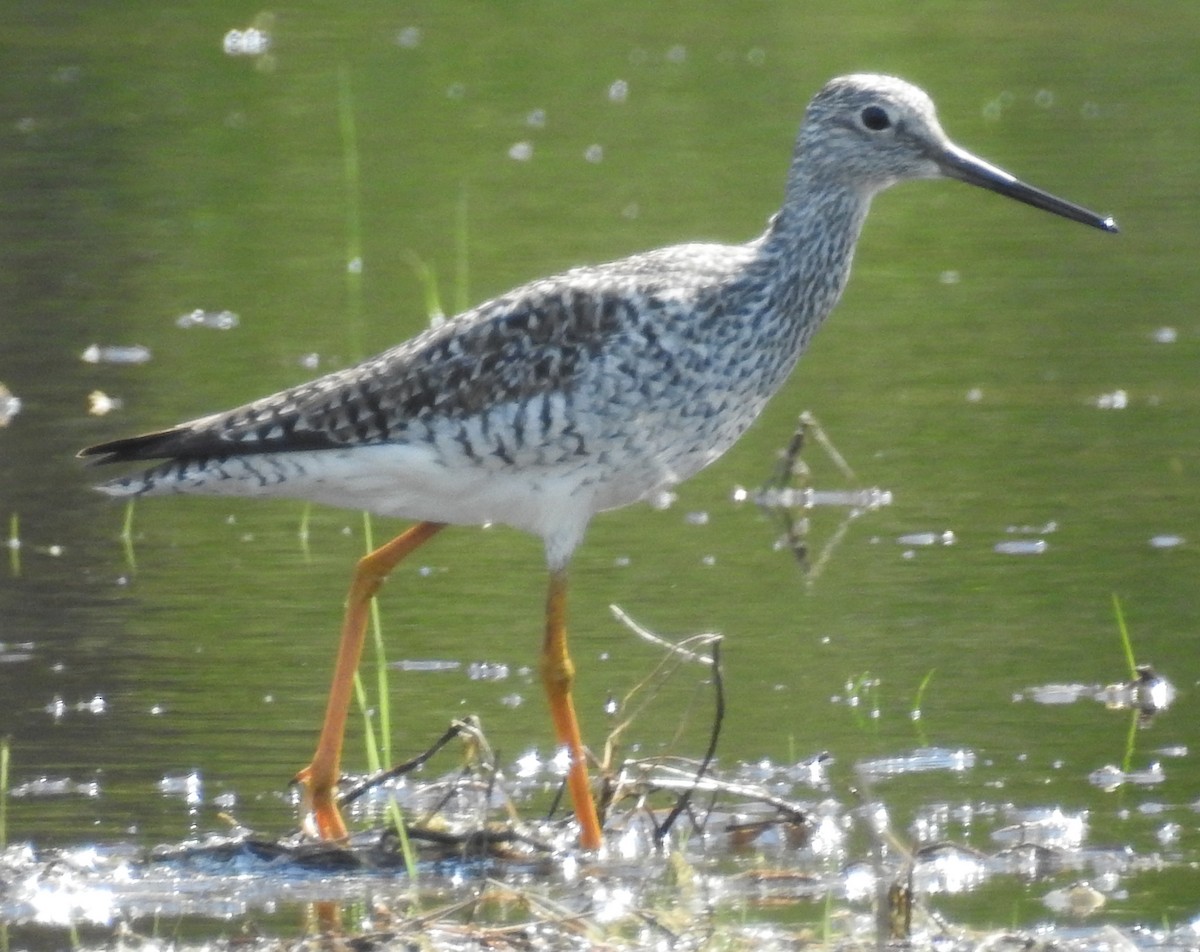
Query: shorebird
573	394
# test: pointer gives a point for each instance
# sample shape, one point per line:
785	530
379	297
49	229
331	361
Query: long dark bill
959	164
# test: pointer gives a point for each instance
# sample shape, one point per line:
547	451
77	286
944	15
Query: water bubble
663	499
409	38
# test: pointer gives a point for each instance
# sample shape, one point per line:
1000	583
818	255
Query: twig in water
456	729
718	717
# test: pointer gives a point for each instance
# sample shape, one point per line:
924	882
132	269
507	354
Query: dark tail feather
160	445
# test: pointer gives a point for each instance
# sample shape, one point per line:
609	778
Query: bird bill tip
962	165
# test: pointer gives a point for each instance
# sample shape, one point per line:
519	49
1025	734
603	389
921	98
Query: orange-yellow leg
320	816
558	673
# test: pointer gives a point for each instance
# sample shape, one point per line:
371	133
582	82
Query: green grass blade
14	544
348	128
1124	632
462	289
4	755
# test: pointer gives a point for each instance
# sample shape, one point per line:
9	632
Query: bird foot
320	818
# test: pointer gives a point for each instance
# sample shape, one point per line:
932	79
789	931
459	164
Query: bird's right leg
319	814
558	675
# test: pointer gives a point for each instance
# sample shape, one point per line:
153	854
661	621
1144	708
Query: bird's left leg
319	814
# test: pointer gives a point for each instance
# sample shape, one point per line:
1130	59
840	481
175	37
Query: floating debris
1049	828
1110	777
101	404
1021	546
113	354
948	869
10	406
55	787
1058	693
487	671
189	786
431	664
787	497
1078	901
928	538
921	760
618	91
217	320
1165	335
1166	541
58	708
249	42
16	652
1044	529
1149	693
1117	400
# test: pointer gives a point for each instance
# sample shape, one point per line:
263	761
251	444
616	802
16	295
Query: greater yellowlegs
585	391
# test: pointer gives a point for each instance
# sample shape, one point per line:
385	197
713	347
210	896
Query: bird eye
875	118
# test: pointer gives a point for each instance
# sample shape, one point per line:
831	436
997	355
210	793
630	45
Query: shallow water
1022	383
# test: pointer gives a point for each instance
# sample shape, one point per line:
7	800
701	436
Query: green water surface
145	173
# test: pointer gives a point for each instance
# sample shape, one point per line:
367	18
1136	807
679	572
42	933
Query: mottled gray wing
509	349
